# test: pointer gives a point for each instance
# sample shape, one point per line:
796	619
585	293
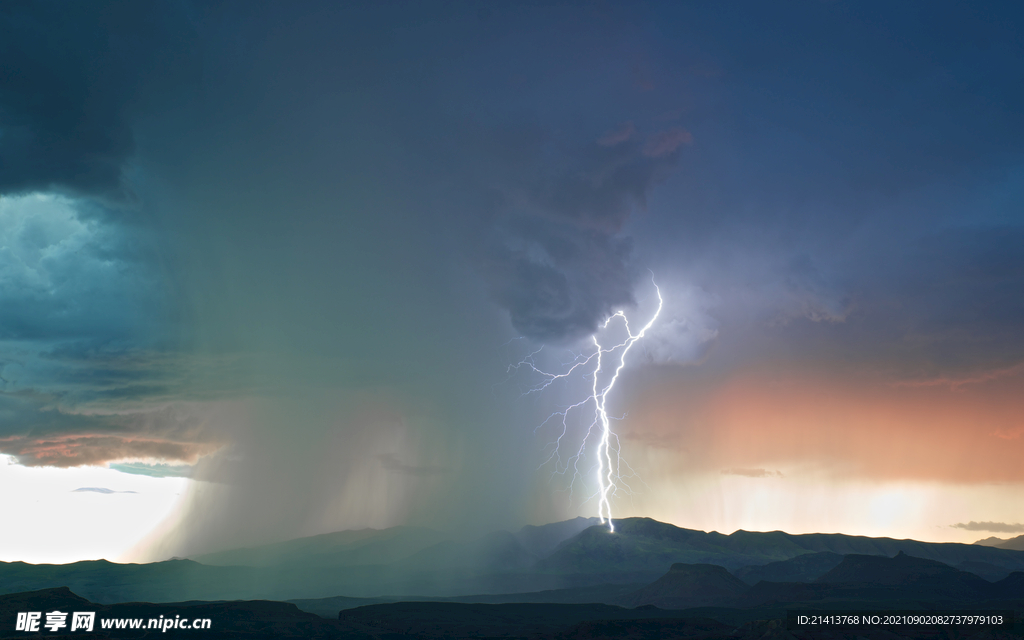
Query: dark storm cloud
558	281
313	175
72	75
82	296
556	257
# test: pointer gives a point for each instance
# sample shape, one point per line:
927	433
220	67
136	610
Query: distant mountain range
1016	544
558	562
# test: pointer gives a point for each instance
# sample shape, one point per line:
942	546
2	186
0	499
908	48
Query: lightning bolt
603	365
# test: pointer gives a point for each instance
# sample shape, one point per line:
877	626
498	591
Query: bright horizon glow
808	501
49	523
111	526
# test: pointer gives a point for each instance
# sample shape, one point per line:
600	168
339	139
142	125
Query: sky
270	270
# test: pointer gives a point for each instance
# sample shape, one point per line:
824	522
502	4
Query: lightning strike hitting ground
608	455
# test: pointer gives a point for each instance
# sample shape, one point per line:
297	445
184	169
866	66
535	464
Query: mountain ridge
1014	544
582	556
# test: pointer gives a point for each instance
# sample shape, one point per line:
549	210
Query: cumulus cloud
996	527
67	274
